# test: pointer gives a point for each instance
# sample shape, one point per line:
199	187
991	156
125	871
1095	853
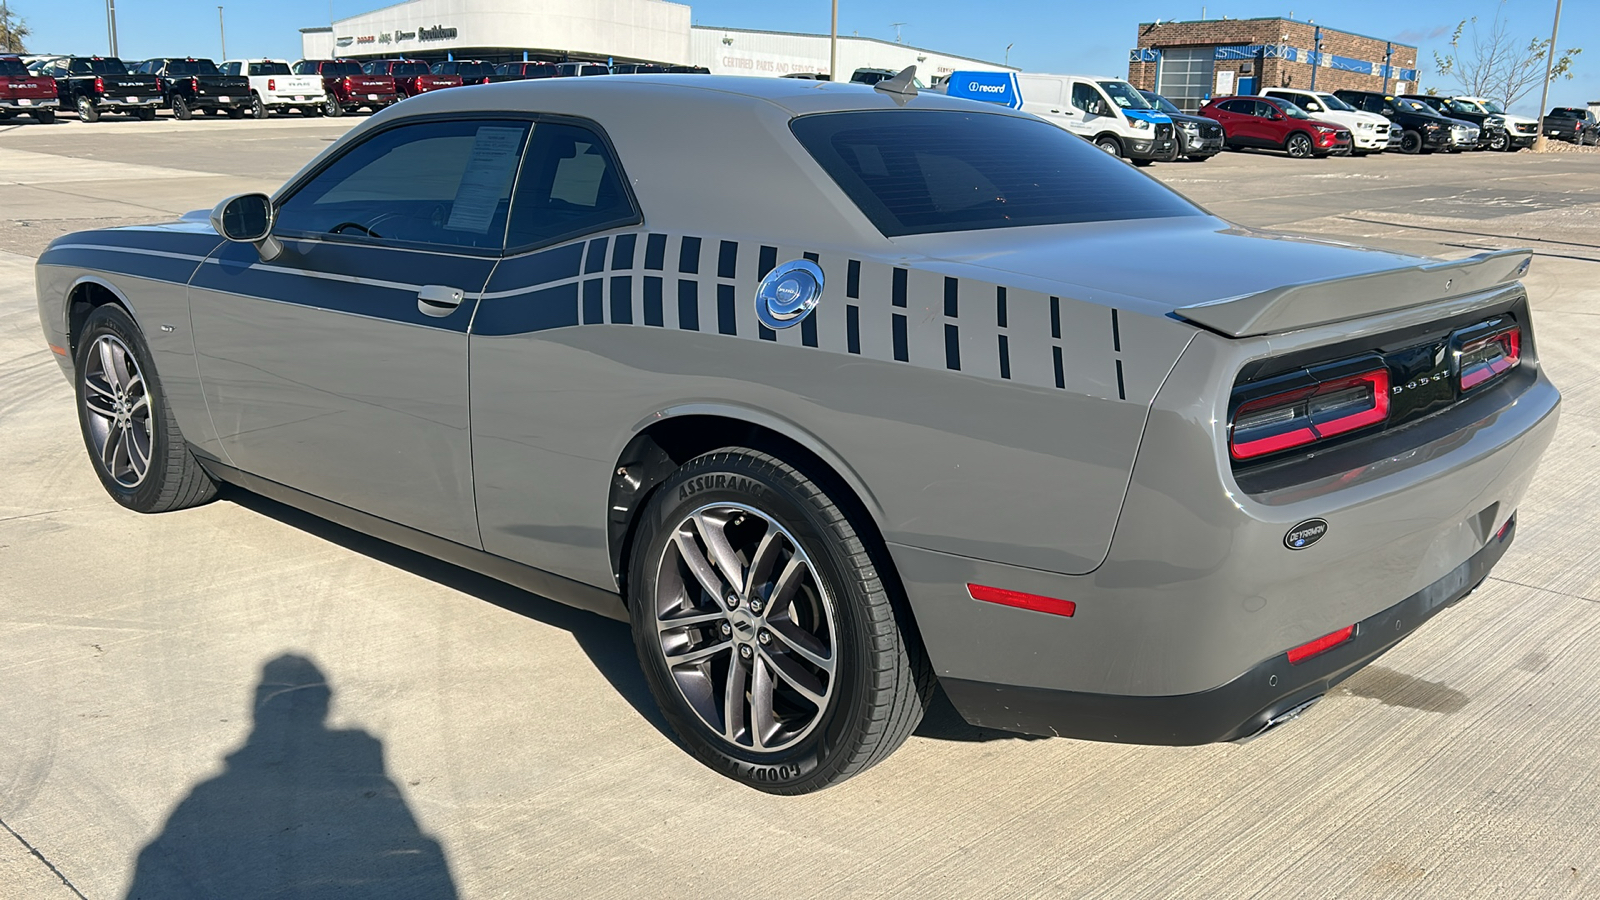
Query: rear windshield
408	68
13	68
191	67
926	171
108	66
269	68
474	70
341	68
1558	113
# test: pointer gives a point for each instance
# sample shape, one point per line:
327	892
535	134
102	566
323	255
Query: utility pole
1539	143
111	24
223	32
833	45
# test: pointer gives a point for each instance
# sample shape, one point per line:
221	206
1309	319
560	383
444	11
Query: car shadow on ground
607	643
301	810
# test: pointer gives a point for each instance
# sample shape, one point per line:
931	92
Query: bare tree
12	31
1491	63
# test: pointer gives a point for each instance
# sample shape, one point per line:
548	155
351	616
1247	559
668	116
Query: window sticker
486	180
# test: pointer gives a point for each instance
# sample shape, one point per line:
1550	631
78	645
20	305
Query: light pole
111	24
1008	53
1539	143
222	31
833	45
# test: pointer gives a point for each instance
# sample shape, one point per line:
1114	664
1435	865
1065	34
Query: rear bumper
273	101
354	100
1244	706
108	102
27	104
229	101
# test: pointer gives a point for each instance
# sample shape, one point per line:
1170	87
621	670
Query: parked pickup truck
471	71
411	76
1491	128
21	92
348	87
274	89
1571	124
98	84
189	84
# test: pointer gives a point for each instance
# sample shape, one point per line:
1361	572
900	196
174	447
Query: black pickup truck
1491	128
1572	124
96	84
1422	129
189	84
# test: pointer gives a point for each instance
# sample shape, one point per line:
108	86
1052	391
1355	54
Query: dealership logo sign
436	33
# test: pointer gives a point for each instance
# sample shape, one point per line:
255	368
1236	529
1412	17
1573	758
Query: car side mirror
247	219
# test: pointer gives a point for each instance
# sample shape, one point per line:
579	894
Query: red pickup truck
24	93
410	76
348	87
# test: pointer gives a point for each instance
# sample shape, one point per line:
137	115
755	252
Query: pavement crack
1544	589
40	856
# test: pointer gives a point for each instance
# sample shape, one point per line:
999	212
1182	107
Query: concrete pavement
428	732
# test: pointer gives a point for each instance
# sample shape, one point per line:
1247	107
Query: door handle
439	300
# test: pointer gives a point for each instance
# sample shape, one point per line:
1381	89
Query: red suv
1276	125
410	76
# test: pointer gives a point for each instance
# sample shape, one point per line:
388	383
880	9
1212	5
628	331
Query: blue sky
1054	36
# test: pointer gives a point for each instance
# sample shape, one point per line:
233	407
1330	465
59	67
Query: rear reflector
1321	645
1483	359
1022	601
1306	415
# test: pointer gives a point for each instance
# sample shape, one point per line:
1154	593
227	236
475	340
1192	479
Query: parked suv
1369	132
348	87
1491	128
1196	137
571	69
97	84
274	88
21	92
1422	130
1571	124
522	71
1107	112
411	76
1265	123
190	84
470	71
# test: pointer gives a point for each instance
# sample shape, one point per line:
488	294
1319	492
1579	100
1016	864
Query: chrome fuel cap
788	293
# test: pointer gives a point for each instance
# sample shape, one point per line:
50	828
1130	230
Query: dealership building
1191	62
618	31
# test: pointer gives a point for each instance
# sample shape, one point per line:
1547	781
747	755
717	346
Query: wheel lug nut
765	637
726	629
745	651
732	601
755	604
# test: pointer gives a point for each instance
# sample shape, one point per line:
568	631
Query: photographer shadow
301	811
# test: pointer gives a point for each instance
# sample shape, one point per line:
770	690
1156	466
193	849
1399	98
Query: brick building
1190	62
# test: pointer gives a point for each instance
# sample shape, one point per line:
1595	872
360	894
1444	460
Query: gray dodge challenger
839	395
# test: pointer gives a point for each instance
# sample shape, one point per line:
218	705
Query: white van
1369	132
1106	111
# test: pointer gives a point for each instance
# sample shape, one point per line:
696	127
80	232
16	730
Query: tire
181	110
44	116
311	112
1109	144
237	112
86	110
1299	146
171	478
1141	163
1411	142
839	630
1201	158
333	108
258	110
146	114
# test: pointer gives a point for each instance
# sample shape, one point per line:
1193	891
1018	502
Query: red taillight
347	82
194	85
1487	357
272	84
1306	415
1022	601
99	85
1321	645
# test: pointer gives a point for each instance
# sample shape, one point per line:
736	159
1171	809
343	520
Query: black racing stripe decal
689	305
1061	374
1000	307
622	300
1005	358
1122	392
769	260
155	268
689	256
655	252
952	293
952	347
1116	333
555	307
622	251
899	295
808	329
726	321
198	243
597	256
652	302
594	302
812	256
542	267
852	280
288	286
1055	317
901	354
728	260
852	329
765	333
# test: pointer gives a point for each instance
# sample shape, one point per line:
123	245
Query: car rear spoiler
1337	299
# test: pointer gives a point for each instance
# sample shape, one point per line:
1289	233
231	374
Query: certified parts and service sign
990	87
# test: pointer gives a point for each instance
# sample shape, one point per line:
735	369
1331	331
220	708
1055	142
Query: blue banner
990	87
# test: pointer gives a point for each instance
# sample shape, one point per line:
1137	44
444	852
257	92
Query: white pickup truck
272	88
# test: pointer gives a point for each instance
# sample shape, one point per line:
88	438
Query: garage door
1185	76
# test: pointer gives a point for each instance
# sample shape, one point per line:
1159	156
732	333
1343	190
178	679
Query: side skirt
537	581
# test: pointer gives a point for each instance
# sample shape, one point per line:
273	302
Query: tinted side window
434	183
570	184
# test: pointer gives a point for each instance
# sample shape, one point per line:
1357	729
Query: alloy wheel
747	630
1299	146
118	403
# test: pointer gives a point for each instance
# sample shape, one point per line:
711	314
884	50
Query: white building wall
316	44
727	51
631	29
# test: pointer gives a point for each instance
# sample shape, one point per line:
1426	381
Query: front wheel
1411	142
128	427
146	114
1109	144
1298	146
1499	141
766	625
